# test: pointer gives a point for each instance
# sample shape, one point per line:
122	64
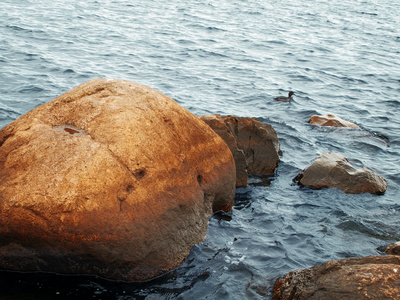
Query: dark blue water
231	57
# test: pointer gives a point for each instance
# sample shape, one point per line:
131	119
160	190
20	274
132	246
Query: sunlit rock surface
254	145
333	170
112	178
331	120
393	249
372	277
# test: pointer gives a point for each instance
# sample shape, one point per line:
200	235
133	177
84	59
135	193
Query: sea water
231	57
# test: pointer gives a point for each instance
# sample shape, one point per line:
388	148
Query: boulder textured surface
372	277
254	145
393	249
333	170
331	120
112	178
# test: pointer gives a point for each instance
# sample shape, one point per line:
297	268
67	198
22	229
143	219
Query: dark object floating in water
285	99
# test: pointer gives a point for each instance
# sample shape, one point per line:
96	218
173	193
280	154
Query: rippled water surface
231	57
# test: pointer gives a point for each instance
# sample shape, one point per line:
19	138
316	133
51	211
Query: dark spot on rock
121	200
199	179
123	194
3	140
70	130
139	173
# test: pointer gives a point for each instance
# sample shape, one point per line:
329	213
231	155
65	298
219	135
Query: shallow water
231	57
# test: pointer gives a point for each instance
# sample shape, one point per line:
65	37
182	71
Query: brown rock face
334	170
393	249
372	277
111	178
331	120
254	145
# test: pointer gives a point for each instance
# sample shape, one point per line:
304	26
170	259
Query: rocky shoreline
117	180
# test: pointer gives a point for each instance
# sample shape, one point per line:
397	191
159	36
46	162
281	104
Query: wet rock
254	145
331	120
393	249
112	178
372	277
333	170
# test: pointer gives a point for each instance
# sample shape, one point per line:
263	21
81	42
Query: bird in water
285	99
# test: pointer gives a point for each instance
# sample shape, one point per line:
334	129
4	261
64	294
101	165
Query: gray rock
331	121
333	170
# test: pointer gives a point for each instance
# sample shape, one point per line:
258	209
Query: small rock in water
331	120
393	249
333	170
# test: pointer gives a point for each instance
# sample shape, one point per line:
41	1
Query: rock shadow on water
220	215
243	198
44	285
261	179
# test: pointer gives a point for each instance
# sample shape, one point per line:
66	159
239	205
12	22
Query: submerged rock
333	170
112	178
331	120
254	145
393	249
372	277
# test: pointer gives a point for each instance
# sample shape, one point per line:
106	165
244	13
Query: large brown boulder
332	121
254	145
372	277
112	178
334	170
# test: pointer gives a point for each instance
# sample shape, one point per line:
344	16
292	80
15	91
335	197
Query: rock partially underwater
334	171
393	249
254	145
371	277
112	178
332	121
